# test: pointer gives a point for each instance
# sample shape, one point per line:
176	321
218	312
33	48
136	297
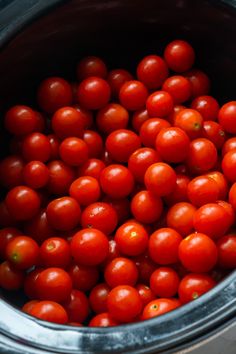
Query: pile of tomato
119	192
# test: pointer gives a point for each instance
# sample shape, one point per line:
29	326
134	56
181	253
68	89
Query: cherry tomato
179	194
133	95
54	93
20	120
91	66
103	320
86	116
124	303
229	145
10	277
145	267
146	207
101	216
92	168
93	93
200	82
73	151
116	78
226	246
89	247
178	87
160	179
198	253
36	174
214	132
11	169
229	210
221	181
131	238
6	235
164	282
121	271
49	311
172	116
112	117
180	218
138	118
207	106
163	246
159	307
116	181
145	293
98	298
94	143
22	252
159	104
228	165
152	71
190	121
54	144
22	202
202	156
83	277
226	116
212	219
30	280
63	213
67	122
77	306
150	129
28	306
121	206
60	177
36	146
179	56
140	160
39	227
86	190
202	190
121	143
55	252
54	284
172	144
194	285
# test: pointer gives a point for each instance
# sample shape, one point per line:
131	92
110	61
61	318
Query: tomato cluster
120	192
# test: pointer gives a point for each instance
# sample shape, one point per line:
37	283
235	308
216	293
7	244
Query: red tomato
83	277
202	156
131	238
221	181
91	66
94	143
112	117
226	246
180	218
145	267
207	106
145	293
138	118
54	284
77	306
54	93
60	177
121	271
159	307
179	56
227	116
55	252
30	280
85	190
20	120
140	160
67	122
89	247
6	235
10	277
229	145
194	285
150	129
152	71
200	82
229	210
103	320
98	298
160	179
22	203
28	306
22	252
36	174
116	181
54	144
190	121
11	171
163	246
198	253
146	207
39	227
172	116
159	104
172	144
179	194
214	132
93	93
164	282
86	116
63	213
116	78
133	95
124	303
121	143
212	219
101	216
49	311
92	168
36	146
202	190
229	165
122	207
74	151
178	87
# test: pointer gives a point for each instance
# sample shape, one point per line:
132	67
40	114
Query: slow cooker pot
40	38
